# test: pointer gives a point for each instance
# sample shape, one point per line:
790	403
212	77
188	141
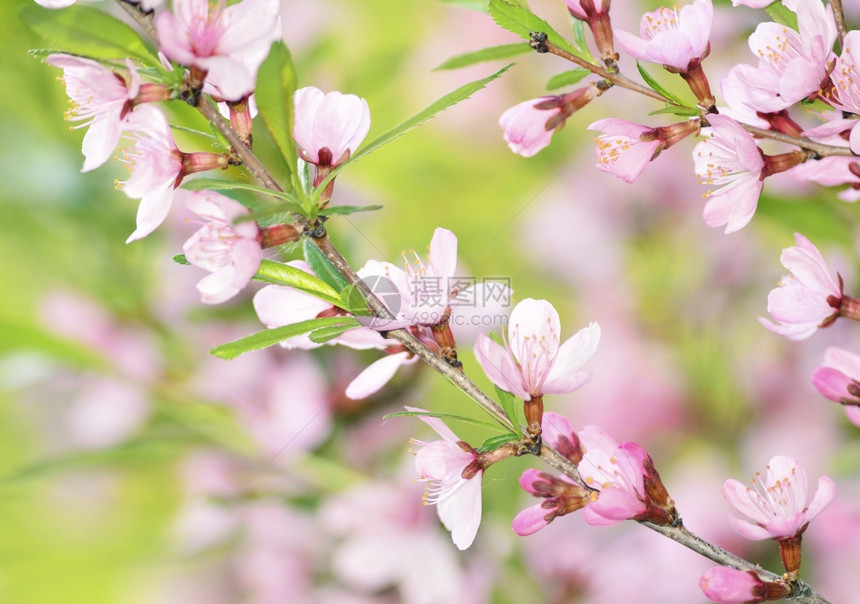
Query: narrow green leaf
566	78
200	184
493	53
523	22
459	418
181	259
322	266
324	334
512	405
276	84
780	14
494	442
452	98
675	110
344	210
270	337
290	207
284	274
86	31
579	36
657	86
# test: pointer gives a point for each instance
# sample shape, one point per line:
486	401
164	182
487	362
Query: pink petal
499	367
735	206
375	376
443	253
832	383
749	531
152	211
530	520
823	496
572	355
461	512
616	504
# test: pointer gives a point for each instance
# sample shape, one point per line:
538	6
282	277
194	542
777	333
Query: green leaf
322	266
452	98
181	259
579	36
494	442
273	210
270	337
657	86
566	78
284	274
344	210
512	405
782	15
459	418
324	334
676	110
291	204
523	22
86	31
276	84
493	53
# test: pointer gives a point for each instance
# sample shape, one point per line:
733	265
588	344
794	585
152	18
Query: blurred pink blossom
533	362
807	299
329	127
102	98
229	250
837	379
730	159
454	476
228	43
777	508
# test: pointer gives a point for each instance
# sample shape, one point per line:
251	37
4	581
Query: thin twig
839	17
144	20
622	81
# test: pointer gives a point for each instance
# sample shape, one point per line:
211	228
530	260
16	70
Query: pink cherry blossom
454	481
230	251
525	128
332	123
671	37
620	150
837	379
846	85
792	64
777	508
807	299
560	495
99	97
733	586
156	169
533	362
229	43
529	126
614	471
730	159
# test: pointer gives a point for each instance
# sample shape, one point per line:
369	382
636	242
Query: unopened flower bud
733	586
